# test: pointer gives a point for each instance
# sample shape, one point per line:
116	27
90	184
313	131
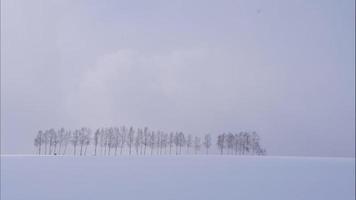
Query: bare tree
38	141
171	142
130	138
164	142
117	138
75	140
221	142
230	142
52	138
96	140
181	141
207	142
146	136
123	133
86	142
67	140
176	142
197	144
138	140
84	138
189	142
152	141
61	138
158	141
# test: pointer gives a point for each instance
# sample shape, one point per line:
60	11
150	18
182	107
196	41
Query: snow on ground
176	177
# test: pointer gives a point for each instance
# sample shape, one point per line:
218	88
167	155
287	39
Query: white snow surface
176	177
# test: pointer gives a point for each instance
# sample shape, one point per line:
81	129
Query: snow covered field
176	177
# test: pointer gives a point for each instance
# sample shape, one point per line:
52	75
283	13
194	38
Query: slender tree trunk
65	149
81	149
55	148
60	148
85	151
50	149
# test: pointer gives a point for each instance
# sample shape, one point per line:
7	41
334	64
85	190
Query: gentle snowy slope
176	177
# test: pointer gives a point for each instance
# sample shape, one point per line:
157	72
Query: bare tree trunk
81	149
65	149
55	148
60	147
85	151
50	149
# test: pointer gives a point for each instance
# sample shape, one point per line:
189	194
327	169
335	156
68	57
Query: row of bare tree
117	140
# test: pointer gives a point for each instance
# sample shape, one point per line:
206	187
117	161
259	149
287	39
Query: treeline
117	141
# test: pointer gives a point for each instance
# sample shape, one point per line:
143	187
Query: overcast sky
285	69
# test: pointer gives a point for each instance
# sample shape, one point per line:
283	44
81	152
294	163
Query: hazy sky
285	69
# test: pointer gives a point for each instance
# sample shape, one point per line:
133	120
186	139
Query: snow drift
176	177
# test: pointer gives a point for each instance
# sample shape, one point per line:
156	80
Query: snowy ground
176	177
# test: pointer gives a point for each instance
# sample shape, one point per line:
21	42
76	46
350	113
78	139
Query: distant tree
197	144
130	138
96	140
38	141
207	142
181	141
189	142
75	140
145	141
221	142
164	142
86	143
117	138
123	133
67	140
176	141
230	142
171	142
46	140
52	139
83	138
111	139
138	140
152	141
158	141
61	138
